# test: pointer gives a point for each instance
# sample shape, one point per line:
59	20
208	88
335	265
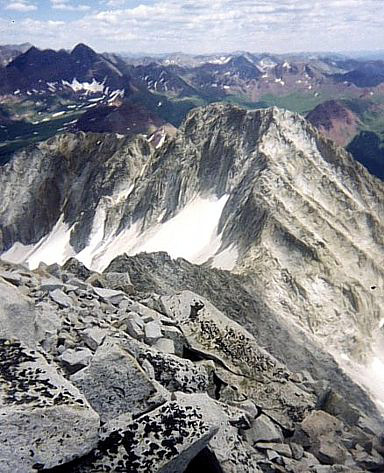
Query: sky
195	26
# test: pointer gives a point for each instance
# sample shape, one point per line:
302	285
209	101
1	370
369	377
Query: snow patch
220	60
226	259
369	376
52	248
192	234
89	87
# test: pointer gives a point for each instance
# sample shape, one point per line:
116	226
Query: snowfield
193	234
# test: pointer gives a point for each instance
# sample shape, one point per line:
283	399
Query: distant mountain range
45	91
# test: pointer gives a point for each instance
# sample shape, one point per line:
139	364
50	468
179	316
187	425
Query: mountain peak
81	51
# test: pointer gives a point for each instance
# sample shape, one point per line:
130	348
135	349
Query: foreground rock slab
114	383
45	421
162	441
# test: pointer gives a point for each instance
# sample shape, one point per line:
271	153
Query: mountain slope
335	121
39	69
259	193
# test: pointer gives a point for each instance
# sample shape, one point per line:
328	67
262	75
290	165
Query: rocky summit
99	379
203	299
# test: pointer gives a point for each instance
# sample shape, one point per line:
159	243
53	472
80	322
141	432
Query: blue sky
196	26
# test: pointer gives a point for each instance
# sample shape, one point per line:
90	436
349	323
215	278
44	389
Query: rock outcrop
220	400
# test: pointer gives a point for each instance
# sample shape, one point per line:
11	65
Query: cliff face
260	193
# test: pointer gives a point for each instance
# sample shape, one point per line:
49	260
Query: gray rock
61	298
231	451
93	337
70	288
50	284
125	305
78	283
146	313
165	345
34	400
322	469
133	328
109	295
297	451
47	326
176	374
73	266
263	430
320	434
272	455
136	318
249	369
114	383
55	270
11	277
148	368
174	334
152	331
329	452
281	448
17	315
369	461
75	360
174	434
119	281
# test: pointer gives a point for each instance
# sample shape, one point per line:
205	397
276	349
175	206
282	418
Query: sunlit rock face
260	193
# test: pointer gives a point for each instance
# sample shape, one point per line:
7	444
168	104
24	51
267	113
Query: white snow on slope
192	234
53	248
371	376
226	259
90	87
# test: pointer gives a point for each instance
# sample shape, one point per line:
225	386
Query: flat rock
263	430
50	284
145	312
109	295
280	448
17	315
61	298
34	401
162	441
176	374
165	345
152	331
114	383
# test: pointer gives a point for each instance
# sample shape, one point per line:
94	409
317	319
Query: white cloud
220	25
20	6
66	5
